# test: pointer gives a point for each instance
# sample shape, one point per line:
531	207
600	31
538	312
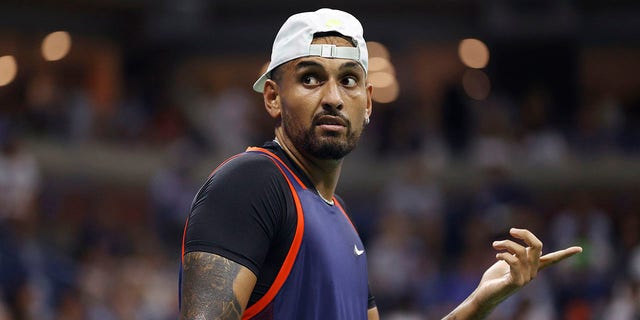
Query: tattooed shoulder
207	287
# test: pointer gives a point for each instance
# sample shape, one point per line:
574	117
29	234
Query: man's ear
271	96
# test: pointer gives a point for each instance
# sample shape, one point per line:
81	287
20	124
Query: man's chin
331	149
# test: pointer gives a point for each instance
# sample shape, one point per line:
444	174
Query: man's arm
214	287
372	314
517	265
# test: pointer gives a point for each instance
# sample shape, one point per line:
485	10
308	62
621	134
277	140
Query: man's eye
310	80
349	82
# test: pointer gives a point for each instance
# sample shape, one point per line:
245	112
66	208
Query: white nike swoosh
356	251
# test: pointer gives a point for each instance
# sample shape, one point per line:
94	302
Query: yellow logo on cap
333	23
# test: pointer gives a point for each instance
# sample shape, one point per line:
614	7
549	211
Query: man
267	238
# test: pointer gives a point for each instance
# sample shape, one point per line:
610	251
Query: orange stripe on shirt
289	260
184	236
345	213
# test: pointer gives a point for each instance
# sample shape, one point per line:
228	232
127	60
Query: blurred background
487	114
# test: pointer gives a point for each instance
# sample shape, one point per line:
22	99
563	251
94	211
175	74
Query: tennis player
267	238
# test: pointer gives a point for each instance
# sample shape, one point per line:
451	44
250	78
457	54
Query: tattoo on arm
207	288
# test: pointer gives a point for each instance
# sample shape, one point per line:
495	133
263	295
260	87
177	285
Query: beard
326	146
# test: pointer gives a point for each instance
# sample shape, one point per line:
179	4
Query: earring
366	121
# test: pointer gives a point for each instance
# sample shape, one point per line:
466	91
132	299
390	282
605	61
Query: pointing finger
557	256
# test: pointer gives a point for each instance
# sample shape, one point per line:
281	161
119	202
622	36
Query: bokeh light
379	64
473	53
56	45
381	79
377	49
386	94
476	84
8	70
382	73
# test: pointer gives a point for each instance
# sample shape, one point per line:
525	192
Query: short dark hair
333	34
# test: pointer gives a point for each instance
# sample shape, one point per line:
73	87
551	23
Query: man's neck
324	174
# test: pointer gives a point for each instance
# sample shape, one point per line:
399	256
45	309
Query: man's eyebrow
348	65
307	64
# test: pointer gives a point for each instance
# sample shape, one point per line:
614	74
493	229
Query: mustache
318	118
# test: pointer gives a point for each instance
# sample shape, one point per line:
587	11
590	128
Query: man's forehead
325	63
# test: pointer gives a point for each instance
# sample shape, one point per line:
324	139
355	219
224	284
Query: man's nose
332	99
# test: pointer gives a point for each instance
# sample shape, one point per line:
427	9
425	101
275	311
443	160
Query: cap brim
258	86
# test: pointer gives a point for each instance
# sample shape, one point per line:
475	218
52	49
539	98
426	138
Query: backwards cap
294	40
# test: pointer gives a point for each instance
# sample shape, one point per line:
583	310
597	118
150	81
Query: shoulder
248	168
242	176
246	163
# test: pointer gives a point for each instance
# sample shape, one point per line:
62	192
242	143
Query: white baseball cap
294	40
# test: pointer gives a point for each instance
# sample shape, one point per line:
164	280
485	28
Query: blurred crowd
75	248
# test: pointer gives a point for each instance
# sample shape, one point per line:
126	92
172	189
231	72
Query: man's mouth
330	121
